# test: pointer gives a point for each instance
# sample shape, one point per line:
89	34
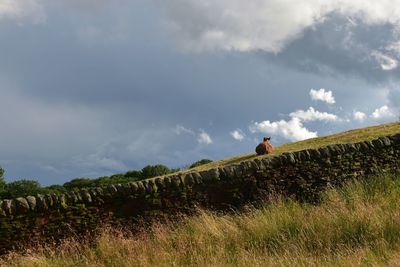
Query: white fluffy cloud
383	112
293	129
322	95
313	115
237	134
266	25
22	9
359	116
204	138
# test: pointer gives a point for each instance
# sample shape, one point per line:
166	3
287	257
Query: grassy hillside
356	135
358	225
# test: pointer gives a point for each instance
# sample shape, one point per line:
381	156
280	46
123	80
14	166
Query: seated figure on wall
265	147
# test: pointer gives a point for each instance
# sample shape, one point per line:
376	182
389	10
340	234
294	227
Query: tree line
26	187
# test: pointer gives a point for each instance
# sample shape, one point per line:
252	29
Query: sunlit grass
357	225
356	135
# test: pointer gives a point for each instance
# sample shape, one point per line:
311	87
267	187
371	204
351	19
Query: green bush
22	188
200	162
2	182
58	189
78	183
134	174
151	171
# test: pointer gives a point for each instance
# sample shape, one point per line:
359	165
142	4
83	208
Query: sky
93	87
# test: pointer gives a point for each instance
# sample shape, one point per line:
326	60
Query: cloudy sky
96	87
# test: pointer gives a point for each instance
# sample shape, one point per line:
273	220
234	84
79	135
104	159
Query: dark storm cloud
341	47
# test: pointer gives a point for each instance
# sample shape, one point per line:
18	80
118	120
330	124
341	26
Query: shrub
200	162
22	188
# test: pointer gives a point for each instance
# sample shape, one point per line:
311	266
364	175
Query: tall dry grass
357	225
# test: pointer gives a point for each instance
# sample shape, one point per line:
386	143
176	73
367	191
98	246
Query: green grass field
357	225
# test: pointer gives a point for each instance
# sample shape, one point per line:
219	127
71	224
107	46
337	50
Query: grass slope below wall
358	225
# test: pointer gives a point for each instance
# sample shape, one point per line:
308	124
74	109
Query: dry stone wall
303	174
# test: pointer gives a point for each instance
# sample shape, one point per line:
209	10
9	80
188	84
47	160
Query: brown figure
265	147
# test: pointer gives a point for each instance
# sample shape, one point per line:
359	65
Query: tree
154	170
134	174
79	183
57	189
2	182
200	162
22	188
